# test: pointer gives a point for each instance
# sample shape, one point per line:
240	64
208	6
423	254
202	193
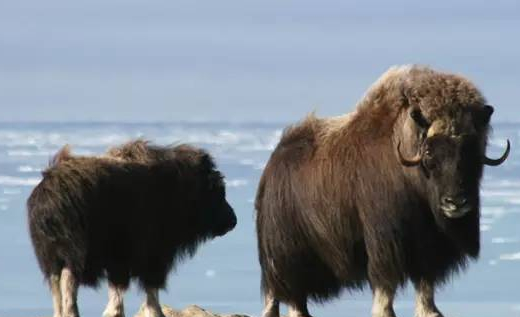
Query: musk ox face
453	174
450	159
221	218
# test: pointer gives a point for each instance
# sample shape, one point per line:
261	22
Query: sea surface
224	275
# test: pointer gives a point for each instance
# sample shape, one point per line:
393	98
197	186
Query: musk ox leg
271	306
115	306
383	302
151	306
69	293
298	309
425	301
54	283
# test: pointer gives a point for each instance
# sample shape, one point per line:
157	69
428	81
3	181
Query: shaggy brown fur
336	208
130	214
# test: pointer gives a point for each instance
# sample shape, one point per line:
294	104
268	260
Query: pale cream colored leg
298	310
151	306
271	306
425	301
69	294
115	306
383	303
54	283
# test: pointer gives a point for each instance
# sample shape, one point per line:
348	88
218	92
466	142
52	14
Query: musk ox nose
455	206
457	201
233	222
226	222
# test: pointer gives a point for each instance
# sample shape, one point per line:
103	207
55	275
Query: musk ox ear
419	119
483	115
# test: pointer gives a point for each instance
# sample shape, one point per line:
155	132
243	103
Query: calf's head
222	218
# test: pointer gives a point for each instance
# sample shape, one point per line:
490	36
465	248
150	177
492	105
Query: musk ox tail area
56	219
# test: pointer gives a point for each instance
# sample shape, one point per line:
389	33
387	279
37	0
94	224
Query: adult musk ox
130	214
386	194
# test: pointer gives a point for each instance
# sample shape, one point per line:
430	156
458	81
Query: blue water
224	275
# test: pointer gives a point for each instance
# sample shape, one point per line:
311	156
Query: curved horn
408	162
496	162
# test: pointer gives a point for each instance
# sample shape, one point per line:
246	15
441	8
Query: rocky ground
190	311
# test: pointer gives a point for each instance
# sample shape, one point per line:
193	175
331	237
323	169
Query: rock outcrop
190	311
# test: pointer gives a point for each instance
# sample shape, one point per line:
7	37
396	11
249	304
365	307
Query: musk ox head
220	215
443	140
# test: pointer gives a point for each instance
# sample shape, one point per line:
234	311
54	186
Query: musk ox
130	214
383	195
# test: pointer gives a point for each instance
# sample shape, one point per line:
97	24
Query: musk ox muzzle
455	206
226	220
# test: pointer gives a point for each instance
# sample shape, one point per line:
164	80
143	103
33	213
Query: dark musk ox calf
130	214
383	195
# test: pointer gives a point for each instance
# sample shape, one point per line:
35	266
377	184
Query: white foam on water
54	139
236	182
486	221
513	201
499	193
18	181
247	162
3	207
493	262
510	256
13	191
28	169
503	240
494	212
28	153
503	183
498	142
484	228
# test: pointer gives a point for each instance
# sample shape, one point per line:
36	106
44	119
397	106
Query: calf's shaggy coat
340	205
132	213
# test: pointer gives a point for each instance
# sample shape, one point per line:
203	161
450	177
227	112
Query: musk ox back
128	214
383	195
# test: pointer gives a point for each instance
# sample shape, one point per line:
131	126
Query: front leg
425	301
298	309
151	306
115	306
69	293
271	306
383	302
54	283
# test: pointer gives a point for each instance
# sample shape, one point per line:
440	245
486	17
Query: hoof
431	313
114	313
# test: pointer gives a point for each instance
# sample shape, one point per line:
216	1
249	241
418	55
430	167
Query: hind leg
54	284
425	301
151	306
69	293
299	309
115	306
271	306
383	302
